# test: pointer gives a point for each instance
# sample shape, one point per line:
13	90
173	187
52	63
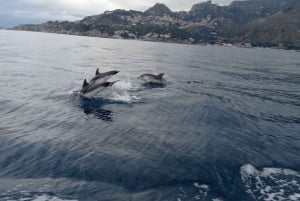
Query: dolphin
92	89
151	78
102	77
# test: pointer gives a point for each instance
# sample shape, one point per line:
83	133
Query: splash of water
120	92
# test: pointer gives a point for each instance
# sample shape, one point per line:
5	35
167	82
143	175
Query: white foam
248	170
295	196
216	199
270	171
196	191
25	197
120	92
123	85
48	198
271	184
203	186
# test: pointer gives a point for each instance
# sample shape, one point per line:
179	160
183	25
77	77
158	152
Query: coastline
238	45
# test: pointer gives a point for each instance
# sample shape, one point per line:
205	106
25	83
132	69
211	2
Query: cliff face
279	30
270	23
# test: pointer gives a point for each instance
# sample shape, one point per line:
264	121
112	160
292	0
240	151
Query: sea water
224	126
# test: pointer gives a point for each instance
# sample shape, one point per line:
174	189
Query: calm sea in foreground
225	127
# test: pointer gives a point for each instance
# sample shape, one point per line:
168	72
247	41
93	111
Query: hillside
280	30
268	23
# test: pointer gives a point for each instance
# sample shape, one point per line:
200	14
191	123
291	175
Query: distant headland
251	23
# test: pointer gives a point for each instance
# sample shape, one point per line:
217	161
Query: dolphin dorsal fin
160	75
85	83
97	71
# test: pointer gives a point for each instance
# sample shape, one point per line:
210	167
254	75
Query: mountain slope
158	9
280	30
270	23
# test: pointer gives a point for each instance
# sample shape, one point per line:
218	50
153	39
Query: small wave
281	119
62	69
271	184
196	191
30	196
49	198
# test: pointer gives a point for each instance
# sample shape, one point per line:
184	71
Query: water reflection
93	108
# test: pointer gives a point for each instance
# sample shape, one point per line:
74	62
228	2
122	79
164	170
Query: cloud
13	12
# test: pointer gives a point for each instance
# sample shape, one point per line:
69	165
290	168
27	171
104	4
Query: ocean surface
225	126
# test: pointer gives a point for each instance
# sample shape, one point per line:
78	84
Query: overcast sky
14	12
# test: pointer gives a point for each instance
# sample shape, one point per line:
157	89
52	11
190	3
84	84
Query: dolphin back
152	76
102	77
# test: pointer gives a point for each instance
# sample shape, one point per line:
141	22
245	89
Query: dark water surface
226	126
